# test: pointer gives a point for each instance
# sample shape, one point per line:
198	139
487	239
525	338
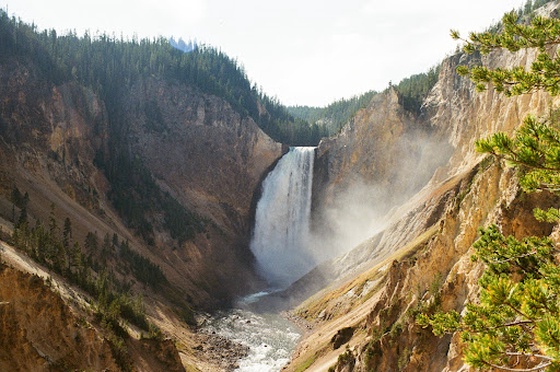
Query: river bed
270	337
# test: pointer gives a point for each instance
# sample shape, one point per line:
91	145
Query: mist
355	215
351	212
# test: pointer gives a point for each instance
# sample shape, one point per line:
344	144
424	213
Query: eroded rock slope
421	258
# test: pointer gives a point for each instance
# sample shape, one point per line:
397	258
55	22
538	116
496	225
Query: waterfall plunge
281	229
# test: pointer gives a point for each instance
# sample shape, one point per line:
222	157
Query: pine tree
67	234
541	34
516	324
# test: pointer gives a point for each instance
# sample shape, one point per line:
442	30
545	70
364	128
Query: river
270	337
280	246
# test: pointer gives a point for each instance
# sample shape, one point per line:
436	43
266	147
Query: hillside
411	91
128	181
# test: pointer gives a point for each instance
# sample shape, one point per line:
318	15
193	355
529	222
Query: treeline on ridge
109	65
411	91
414	89
334	116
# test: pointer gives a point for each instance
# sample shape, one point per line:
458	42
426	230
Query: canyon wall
421	257
204	154
191	146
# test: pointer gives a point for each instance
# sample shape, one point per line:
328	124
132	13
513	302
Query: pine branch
516	323
549	187
517	311
540	356
507	260
538	367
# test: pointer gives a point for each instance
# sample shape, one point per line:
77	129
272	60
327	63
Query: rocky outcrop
385	148
30	315
45	327
380	159
462	115
199	148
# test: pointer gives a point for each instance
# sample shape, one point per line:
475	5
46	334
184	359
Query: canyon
396	203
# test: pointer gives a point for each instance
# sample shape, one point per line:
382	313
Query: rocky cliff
47	326
420	260
29	314
379	159
203	153
399	196
197	152
385	148
211	159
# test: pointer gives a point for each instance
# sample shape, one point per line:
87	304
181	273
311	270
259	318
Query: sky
303	52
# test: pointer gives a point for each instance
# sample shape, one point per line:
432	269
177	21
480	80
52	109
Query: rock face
200	151
421	259
383	147
381	157
43	332
212	160
30	314
196	148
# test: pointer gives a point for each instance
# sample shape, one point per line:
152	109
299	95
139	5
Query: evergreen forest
87	267
411	91
334	116
109	65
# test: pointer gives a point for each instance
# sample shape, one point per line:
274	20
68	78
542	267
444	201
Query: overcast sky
306	52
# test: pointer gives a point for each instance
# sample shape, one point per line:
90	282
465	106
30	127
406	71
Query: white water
270	338
281	233
280	245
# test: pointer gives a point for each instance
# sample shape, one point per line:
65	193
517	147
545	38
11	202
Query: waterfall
282	219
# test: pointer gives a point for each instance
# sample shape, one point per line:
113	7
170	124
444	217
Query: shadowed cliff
133	180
